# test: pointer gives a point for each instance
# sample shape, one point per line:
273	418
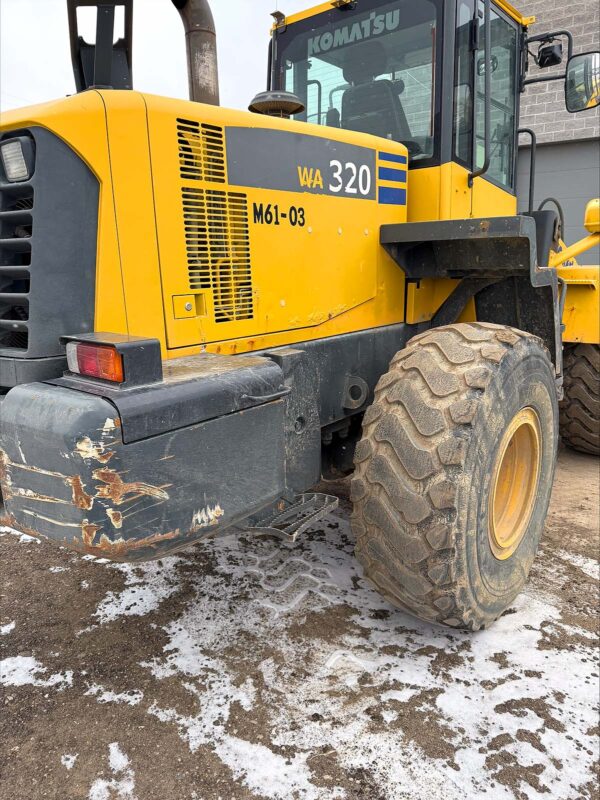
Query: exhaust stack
201	40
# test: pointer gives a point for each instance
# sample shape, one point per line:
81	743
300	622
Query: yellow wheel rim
515	479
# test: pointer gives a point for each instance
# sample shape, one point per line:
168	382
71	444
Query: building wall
568	158
542	105
570	172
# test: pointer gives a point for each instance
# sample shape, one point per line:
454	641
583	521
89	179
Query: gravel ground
244	668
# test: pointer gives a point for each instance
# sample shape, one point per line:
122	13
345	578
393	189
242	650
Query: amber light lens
95	361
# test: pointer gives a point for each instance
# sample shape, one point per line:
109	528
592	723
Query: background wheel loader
203	311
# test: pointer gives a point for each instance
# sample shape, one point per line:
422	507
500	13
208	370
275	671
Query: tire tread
429	398
580	409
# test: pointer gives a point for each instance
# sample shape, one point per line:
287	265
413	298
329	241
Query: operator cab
411	72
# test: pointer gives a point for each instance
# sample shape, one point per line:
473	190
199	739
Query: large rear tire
580	410
454	472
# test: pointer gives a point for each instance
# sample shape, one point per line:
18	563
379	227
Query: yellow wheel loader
204	311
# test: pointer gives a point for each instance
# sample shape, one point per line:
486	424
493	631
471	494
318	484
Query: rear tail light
95	361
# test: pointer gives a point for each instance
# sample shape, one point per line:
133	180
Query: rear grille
16	226
218	250
48	254
216	224
201	151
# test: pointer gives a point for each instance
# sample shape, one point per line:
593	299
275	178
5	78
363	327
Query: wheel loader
204	311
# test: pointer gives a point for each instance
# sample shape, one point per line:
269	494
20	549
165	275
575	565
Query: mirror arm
547	37
546	78
105	64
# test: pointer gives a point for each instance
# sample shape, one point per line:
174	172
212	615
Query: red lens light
95	361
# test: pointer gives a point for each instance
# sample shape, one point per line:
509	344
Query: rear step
295	518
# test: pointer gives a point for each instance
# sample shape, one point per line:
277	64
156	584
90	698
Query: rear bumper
67	474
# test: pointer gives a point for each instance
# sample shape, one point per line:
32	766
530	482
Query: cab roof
319	9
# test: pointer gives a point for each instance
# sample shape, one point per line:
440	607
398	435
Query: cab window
503	96
372	71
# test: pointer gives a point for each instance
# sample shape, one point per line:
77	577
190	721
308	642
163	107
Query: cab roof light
95	361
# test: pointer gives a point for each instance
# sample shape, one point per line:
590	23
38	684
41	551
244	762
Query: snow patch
68	761
26	671
147	586
122	785
271	775
24	538
102	695
6	629
214	700
587	565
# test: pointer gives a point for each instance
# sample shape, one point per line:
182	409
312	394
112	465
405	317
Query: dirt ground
244	668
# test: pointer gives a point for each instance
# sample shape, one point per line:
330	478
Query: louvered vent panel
201	151
16	224
218	250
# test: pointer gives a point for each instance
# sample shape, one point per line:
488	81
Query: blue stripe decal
392	157
388	174
392	197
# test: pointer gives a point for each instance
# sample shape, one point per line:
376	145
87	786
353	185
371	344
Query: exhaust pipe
201	40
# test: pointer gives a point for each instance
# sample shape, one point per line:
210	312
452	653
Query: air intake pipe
201	40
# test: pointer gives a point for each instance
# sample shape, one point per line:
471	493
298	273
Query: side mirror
582	82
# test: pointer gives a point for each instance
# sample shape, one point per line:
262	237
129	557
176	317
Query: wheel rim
515	479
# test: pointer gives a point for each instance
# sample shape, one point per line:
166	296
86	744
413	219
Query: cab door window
503	95
463	84
503	102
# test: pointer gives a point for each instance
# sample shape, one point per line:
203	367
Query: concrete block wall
542	105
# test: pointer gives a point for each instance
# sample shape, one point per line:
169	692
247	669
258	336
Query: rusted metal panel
67	475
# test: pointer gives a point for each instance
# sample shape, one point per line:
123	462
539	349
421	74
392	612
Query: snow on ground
8	628
121	785
587	565
24	670
472	689
131	698
279	667
147	586
68	760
